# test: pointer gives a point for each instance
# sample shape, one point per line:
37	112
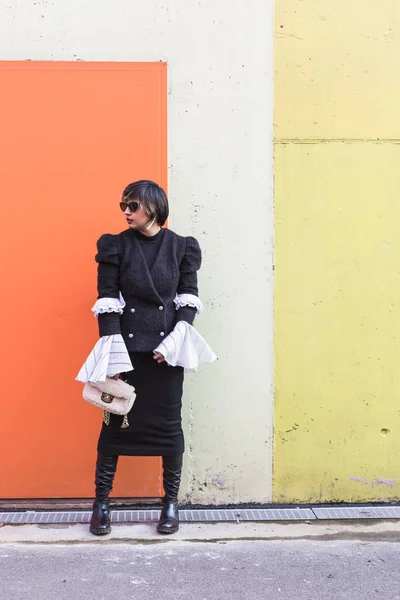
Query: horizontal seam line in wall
336	140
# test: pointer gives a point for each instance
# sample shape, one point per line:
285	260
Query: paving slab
144	533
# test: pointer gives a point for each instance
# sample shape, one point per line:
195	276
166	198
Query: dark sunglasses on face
132	205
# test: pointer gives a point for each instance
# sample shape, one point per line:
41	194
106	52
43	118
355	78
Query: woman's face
138	219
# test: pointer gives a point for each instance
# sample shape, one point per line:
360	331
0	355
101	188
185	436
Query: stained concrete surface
363	530
254	570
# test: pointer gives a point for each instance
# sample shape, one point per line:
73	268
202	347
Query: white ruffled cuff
185	347
108	305
108	357
191	300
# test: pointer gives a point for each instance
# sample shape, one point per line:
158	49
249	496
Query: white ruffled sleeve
108	357
109	305
185	347
191	300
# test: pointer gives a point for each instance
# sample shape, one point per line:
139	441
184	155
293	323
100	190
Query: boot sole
168	531
102	532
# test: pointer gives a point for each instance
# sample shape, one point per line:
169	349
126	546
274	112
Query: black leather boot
106	466
169	518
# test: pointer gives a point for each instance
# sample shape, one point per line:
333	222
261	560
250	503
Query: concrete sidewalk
317	560
145	533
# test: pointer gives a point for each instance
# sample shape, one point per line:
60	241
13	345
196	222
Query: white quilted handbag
112	396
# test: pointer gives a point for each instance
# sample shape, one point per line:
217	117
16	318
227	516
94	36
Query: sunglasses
132	205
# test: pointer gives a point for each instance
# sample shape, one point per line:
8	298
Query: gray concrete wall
220	183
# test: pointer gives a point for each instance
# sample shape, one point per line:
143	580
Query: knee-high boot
169	518
106	466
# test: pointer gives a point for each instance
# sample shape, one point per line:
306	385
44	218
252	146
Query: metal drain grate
209	515
247	514
357	512
151	515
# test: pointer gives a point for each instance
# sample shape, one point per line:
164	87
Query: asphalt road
234	570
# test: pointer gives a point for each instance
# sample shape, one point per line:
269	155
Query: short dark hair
151	196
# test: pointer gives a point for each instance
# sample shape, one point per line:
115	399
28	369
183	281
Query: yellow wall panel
337	324
337	65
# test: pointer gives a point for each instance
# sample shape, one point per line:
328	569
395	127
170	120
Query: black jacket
150	312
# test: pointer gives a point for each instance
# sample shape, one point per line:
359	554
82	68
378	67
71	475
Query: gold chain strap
106	419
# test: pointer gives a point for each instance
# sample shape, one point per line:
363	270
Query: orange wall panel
72	136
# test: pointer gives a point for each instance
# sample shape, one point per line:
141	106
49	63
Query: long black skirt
155	424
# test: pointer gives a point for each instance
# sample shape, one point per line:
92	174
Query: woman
147	293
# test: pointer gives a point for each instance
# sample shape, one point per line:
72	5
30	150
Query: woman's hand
159	357
116	376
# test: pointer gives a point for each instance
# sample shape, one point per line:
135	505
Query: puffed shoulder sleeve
187	300
191	261
108	294
107	249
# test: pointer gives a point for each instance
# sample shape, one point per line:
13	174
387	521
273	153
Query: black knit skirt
155	425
